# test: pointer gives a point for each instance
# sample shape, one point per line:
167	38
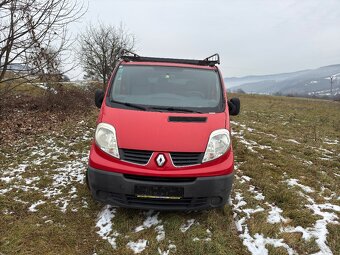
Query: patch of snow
246	178
207	239
248	143
307	162
275	215
186	226
7	212
8	179
160	233
240	200
104	223
32	208
64	203
32	179
4	191
257	244
258	195
137	247
319	230
171	247
294	182
293	141
332	142
150	221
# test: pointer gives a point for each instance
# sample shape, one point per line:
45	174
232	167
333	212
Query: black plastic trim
203	193
208	61
187	119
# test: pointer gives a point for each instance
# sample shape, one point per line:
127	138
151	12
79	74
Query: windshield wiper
173	109
136	106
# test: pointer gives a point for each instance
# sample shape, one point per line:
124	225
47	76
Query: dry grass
273	121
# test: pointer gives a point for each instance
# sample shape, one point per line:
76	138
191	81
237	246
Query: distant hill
306	82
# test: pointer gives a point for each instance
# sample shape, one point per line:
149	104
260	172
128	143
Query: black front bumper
198	193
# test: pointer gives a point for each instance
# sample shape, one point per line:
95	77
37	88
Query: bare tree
33	34
99	50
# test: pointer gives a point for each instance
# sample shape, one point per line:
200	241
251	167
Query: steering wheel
196	94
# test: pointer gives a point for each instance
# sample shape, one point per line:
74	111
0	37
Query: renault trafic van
163	135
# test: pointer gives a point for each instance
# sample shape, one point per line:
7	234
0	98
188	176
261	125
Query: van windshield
167	88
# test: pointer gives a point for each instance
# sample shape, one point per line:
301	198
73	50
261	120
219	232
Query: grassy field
286	197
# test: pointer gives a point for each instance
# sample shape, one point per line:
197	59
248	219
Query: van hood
145	130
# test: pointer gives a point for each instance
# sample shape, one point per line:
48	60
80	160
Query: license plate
163	192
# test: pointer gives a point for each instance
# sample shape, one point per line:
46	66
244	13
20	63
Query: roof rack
127	55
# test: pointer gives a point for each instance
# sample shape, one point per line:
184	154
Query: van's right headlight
218	144
106	140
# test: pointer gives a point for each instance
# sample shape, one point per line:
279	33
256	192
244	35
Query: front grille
159	179
135	156
178	158
186	158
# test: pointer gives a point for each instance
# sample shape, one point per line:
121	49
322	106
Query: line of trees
34	43
33	39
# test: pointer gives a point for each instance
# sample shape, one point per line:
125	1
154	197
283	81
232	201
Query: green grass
275	120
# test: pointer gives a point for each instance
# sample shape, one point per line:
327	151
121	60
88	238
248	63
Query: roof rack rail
127	55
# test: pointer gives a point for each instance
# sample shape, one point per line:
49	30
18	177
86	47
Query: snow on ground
171	247
256	243
187	225
319	230
139	246
160	233
275	215
242	213
63	174
294	182
151	220
32	208
250	144
104	223
207	239
329	141
293	141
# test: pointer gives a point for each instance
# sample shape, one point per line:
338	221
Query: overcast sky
251	36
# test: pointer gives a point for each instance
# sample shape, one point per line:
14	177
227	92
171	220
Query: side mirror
234	106
99	97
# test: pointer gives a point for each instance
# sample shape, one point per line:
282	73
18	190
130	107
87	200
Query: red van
163	135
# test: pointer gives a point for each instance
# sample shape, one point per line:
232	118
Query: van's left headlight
219	143
106	139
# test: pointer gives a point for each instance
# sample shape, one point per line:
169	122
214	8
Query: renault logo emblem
160	160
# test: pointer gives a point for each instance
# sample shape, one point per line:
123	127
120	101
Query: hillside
306	82
285	199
